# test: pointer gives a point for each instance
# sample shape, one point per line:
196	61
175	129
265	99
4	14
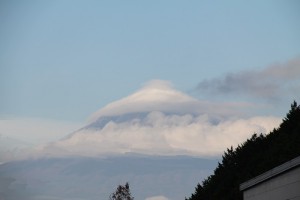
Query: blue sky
178	77
63	60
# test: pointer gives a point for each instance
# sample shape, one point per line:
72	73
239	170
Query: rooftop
271	173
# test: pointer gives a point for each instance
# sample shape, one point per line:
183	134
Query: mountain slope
160	120
77	178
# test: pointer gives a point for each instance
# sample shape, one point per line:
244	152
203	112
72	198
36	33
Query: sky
61	61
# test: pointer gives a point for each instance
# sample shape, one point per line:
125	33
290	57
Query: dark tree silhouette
122	193
253	157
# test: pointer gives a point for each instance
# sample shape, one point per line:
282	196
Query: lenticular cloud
162	134
159	120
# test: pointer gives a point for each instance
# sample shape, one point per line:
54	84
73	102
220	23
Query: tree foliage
255	156
122	193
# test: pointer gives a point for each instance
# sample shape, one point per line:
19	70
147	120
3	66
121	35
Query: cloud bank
36	131
161	134
20	135
270	83
159	120
157	198
159	95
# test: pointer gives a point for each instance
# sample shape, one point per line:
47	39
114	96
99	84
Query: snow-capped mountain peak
156	95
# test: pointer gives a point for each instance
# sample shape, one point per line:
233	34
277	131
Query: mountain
157	96
77	178
162	141
10	146
160	120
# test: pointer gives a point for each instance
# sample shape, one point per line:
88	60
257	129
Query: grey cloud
269	83
287	71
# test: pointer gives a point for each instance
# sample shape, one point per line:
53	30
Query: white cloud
155	95
159	95
157	198
36	131
160	134
172	123
18	135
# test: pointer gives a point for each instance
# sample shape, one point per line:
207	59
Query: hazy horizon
172	78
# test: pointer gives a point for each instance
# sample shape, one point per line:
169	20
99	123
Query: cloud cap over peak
156	95
160	120
162	134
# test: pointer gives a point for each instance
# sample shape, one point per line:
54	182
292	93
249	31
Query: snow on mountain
159	95
155	96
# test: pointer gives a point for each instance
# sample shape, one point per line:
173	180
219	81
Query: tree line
251	158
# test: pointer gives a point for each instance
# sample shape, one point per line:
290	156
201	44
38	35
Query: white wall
285	186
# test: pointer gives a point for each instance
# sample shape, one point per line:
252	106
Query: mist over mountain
160	120
75	121
78	178
159	139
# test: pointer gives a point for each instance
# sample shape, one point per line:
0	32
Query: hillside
255	156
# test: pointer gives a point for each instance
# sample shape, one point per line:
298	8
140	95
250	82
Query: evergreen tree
122	193
255	156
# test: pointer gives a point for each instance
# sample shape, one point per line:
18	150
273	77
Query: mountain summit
156	95
159	120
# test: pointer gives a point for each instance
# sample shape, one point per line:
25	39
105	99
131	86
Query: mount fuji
161	140
160	120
